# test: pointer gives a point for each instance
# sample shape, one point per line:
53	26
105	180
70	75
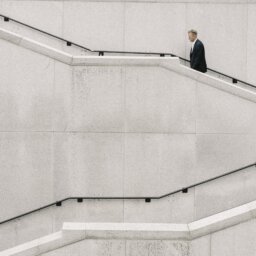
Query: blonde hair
193	31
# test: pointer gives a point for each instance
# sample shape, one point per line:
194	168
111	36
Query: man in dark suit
197	53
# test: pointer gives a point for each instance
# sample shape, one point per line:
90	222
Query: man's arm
199	54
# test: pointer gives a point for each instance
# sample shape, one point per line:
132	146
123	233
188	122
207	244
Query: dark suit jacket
197	57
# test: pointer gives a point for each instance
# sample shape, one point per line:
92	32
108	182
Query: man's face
191	37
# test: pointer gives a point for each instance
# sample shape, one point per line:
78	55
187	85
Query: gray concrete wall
122	248
114	131
239	240
149	26
235	241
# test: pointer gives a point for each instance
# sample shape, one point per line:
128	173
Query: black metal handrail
102	52
146	198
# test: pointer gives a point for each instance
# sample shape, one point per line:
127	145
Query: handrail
7	19
147	199
101	52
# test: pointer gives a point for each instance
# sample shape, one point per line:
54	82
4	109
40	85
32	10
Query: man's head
192	35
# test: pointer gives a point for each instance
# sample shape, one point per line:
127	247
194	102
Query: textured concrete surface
122	248
239	240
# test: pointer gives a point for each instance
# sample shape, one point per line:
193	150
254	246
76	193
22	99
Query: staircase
120	133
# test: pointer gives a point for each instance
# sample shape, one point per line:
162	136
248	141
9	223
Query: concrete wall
114	131
235	241
226	27
122	248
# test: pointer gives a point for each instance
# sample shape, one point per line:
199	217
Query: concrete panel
34	226
95	163
225	193
62	168
41	37
159	101
26	169
27	228
251	49
156	164
91	247
88	211
178	208
45	15
219	153
7	235
200	246
26	89
96	25
97	99
221	112
33	34
224	51
156	248
153	27
51	220
236	241
62	96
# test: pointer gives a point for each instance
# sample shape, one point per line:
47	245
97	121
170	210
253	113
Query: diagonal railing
102	52
146	198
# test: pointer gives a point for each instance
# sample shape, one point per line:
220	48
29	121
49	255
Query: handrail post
6	19
101	53
69	43
234	81
59	203
185	190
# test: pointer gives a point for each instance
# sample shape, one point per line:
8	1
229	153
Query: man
197	53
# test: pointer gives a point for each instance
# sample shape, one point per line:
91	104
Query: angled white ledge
131	231
74	232
168	231
222	220
32	247
122	61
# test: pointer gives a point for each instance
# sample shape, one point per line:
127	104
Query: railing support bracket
185	190
58	203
